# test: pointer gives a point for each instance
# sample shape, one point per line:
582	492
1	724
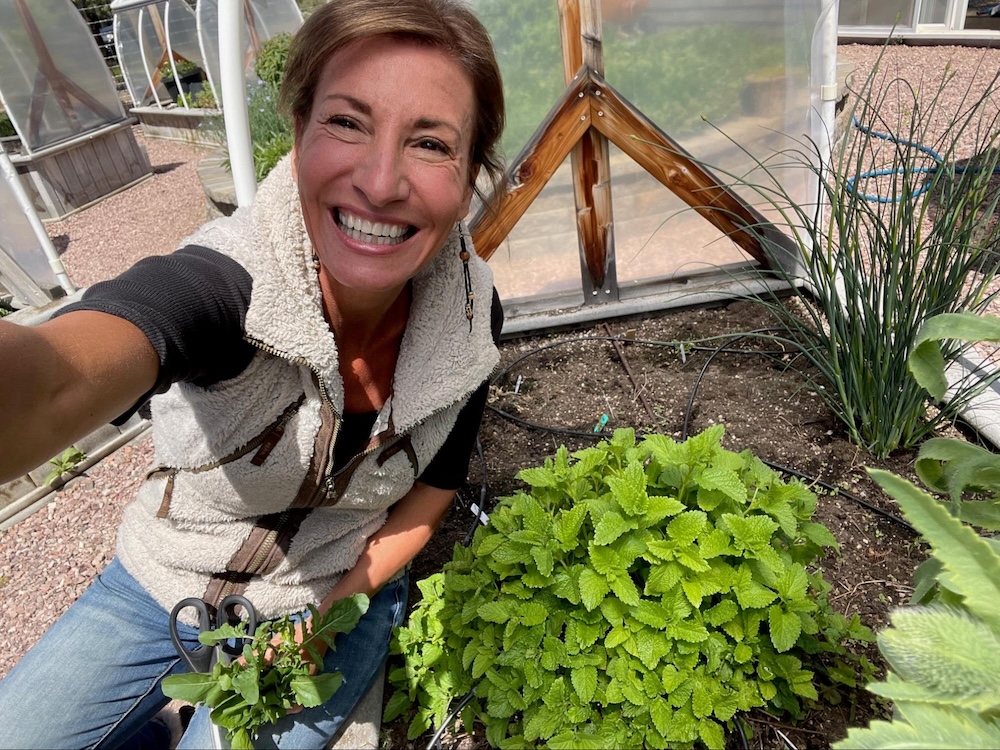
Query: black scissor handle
227	614
199	659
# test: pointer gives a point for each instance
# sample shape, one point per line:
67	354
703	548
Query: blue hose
925	185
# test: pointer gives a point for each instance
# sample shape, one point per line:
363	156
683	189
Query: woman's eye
341	122
430	144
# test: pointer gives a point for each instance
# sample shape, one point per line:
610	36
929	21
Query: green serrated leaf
593	588
784	628
610	527
494	612
584	681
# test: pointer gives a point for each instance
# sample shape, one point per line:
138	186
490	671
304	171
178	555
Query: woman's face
383	162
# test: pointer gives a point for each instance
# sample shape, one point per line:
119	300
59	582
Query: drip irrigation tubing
929	171
725	347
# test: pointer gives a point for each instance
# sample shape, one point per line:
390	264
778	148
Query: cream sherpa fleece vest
217	486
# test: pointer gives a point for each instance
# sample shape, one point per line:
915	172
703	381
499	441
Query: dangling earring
470	298
315	261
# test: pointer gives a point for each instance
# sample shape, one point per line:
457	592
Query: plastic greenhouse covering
152	38
732	81
54	83
19	243
151	33
263	19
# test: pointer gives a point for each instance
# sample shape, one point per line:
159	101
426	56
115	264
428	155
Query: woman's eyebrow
359	105
428	123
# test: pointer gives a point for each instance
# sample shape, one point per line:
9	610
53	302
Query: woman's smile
372	233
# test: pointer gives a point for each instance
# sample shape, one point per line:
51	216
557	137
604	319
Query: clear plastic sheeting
159	50
54	83
732	86
735	83
19	243
262	20
540	256
158	38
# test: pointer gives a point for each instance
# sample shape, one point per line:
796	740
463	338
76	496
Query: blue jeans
93	679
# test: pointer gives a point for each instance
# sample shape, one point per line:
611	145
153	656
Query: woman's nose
381	175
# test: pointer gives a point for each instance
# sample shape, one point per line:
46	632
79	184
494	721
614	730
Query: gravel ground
48	559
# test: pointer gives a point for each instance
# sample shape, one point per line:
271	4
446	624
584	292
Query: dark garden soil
765	407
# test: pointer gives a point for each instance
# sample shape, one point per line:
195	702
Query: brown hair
447	25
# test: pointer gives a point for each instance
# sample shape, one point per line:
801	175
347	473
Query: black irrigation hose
704	368
435	742
741	733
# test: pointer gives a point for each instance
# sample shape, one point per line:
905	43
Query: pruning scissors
202	658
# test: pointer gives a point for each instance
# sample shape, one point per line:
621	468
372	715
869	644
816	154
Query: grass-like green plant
869	272
640	595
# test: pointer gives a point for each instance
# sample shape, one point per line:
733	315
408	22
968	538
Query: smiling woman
317	370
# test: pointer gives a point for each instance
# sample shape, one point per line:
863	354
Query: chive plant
902	229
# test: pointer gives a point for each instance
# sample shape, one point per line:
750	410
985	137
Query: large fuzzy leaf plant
637	595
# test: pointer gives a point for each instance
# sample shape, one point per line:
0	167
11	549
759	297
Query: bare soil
765	407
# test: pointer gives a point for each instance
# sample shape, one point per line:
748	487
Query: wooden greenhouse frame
588	115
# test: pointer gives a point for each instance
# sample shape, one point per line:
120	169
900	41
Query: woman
329	364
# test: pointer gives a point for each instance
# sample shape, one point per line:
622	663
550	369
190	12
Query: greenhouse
74	142
598	212
169	49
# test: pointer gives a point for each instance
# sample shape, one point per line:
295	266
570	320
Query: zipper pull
270	440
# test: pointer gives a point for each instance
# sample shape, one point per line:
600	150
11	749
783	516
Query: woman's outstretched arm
63	379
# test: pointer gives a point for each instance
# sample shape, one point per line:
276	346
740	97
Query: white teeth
378	233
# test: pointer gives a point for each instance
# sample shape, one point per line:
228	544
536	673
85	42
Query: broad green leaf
543	559
584	682
725	481
494	612
629	489
722	612
605	560
662	578
973	566
532	613
693	591
784	628
624	588
819	534
341	617
223	633
191	687
246	683
610	527
711	734
926	361
396	706
567	526
538	477
752	532
793	583
944	649
650	613
315	690
927	728
593	588
574	740
661	713
686	527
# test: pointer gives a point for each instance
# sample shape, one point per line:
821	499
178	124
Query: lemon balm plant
639	594
901	229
